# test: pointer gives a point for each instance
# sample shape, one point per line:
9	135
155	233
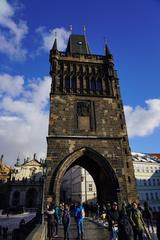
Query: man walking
79	215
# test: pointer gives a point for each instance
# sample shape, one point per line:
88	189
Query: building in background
78	186
31	170
5	171
147	174
26	184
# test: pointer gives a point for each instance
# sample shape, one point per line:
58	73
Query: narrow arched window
73	84
93	85
67	83
81	84
99	85
87	84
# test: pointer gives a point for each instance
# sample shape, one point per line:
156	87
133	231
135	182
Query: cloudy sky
27	30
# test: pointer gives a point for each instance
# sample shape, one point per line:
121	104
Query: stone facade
86	124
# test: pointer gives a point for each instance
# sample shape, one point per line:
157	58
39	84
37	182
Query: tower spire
1	159
107	53
55	42
106	49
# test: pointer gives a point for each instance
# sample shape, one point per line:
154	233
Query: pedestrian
97	210
50	221
113	216
56	219
66	220
158	226
125	231
61	210
147	213
137	222
79	215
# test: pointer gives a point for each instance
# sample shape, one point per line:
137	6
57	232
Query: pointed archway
99	168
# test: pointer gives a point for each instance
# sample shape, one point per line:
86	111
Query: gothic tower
86	123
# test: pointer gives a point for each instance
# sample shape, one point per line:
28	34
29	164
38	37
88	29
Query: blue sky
27	29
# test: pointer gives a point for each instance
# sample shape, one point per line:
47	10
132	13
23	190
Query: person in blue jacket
79	215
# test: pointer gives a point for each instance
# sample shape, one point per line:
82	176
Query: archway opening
77	185
99	168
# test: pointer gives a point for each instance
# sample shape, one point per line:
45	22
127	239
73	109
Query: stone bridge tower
86	123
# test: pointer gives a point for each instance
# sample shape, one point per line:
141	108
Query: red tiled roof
157	155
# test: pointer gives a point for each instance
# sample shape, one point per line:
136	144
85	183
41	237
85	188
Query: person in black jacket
66	220
50	221
147	214
113	216
125	231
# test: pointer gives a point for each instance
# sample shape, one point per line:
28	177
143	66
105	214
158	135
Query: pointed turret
107	51
17	162
54	48
34	156
1	159
108	54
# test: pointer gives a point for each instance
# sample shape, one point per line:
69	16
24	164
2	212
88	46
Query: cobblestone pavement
92	231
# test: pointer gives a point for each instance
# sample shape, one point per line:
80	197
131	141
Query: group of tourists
131	222
62	215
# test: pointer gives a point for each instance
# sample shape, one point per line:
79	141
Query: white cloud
24	120
11	85
143	121
11	33
48	38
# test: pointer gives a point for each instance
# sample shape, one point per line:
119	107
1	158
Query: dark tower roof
107	51
77	44
55	44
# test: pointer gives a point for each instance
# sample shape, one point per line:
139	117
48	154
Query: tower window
90	188
129	179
